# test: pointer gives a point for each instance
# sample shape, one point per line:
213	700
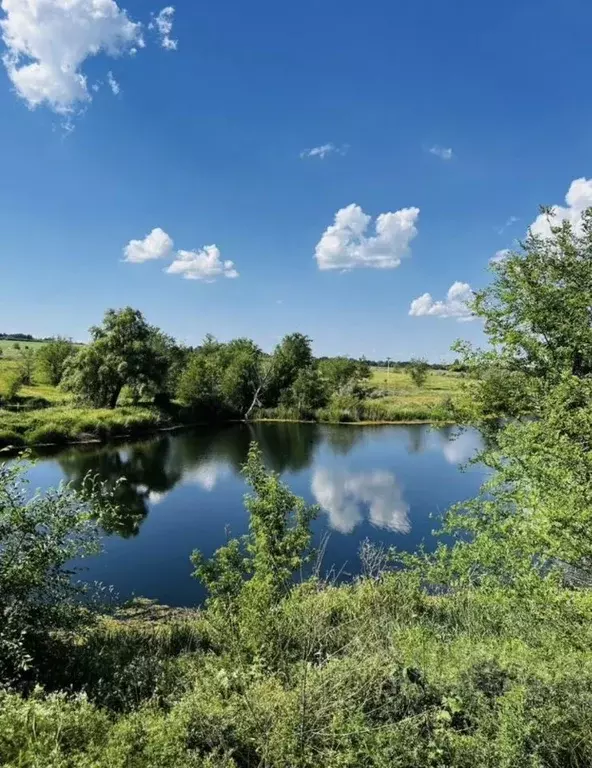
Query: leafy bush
418	370
38	537
52	358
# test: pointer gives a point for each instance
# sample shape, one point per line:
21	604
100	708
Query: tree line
216	380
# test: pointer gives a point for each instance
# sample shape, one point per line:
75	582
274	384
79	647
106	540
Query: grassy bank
47	415
67	424
377	673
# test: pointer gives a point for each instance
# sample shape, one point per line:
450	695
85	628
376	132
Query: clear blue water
184	491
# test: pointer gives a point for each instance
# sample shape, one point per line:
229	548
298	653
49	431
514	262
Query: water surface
184	490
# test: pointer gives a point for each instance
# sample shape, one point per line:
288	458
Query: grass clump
66	424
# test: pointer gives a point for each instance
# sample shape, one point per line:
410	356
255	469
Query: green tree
291	356
199	384
125	350
536	314
52	358
258	568
343	372
307	393
241	374
26	366
39	537
418	370
222	378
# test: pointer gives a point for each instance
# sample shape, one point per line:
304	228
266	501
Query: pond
184	491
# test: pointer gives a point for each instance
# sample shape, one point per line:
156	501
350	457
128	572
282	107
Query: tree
222	378
52	358
125	350
343	372
292	355
39	537
258	568
418	370
26	366
536	314
307	394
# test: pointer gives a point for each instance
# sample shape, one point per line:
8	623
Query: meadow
45	414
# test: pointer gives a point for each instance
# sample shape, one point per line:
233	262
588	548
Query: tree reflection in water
142	474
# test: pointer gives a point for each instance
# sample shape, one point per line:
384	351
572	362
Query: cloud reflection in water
345	497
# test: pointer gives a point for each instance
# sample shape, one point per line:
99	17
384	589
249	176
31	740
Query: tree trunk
255	402
115	395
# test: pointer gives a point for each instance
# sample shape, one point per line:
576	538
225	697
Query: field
9	362
394	399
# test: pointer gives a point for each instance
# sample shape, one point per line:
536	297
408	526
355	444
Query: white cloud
203	265
163	24
461	447
156	245
324	150
510	221
207	475
578	198
345	244
346	496
444	153
454	305
500	256
48	41
113	84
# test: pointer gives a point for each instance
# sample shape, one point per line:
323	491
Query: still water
183	491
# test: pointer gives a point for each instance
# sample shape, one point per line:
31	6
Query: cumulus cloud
113	84
204	264
454	305
163	24
324	150
346	245
48	41
346	497
578	198
444	153
156	245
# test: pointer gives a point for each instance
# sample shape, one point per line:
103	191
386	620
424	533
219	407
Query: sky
254	169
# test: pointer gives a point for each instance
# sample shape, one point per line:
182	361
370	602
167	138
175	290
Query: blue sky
205	141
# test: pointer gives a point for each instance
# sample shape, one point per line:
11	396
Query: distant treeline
406	364
20	337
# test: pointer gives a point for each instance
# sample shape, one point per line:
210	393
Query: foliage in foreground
272	672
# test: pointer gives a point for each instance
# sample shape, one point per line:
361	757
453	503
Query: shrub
39	536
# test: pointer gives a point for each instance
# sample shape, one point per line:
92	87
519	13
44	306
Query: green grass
377	673
399	401
66	424
10	353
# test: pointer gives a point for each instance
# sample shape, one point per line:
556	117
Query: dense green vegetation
132	377
476	656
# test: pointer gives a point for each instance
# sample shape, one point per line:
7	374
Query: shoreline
85	438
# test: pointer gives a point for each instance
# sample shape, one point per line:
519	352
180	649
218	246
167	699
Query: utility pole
388	370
